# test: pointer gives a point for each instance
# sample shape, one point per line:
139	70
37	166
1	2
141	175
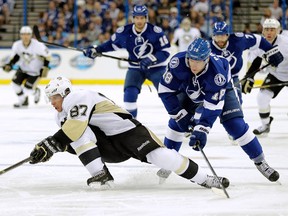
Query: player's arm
272	53
8	67
167	91
46	57
248	81
160	53
114	43
72	129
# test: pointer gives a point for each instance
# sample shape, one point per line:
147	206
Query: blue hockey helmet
199	50
220	28
140	10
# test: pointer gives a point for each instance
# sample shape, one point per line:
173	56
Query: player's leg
145	146
155	75
16	83
30	87
132	87
174	135
233	122
264	98
89	154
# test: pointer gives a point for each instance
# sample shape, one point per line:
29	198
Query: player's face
221	40
26	38
196	66
270	34
139	22
56	102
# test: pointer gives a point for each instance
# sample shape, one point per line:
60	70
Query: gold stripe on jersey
183	166
160	143
83	148
107	106
74	128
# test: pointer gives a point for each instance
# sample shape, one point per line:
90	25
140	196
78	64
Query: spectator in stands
113	10
201	7
173	18
168	31
267	14
4	12
276	10
121	19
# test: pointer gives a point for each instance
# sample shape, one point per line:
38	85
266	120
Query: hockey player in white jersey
99	131
32	58
276	75
185	34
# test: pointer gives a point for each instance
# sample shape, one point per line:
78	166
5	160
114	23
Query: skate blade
220	192
162	180
98	186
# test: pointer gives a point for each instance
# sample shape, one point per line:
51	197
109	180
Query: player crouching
99	131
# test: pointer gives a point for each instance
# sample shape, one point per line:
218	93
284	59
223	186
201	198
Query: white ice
58	187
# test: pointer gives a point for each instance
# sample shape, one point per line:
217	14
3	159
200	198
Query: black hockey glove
247	85
7	67
91	52
44	71
45	149
274	56
184	120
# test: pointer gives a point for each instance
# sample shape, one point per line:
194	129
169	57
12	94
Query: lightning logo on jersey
142	49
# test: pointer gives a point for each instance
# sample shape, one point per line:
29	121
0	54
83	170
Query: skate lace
212	181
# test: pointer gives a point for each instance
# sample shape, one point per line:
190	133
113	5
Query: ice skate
102	180
267	171
212	181
163	175
37	94
25	103
263	130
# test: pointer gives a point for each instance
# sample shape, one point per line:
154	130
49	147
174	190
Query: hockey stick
272	85
38	37
216	190
15	165
253	73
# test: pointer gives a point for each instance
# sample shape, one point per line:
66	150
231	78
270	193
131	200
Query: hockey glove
44	150
247	85
91	52
7	67
274	56
199	137
147	62
184	120
44	71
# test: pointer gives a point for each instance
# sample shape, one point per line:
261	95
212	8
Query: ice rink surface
58	187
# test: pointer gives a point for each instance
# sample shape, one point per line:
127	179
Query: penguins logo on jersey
142	48
28	57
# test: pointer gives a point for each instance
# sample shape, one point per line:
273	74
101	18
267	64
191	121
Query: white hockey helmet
59	85
25	30
271	23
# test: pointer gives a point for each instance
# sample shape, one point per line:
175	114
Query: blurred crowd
6	8
98	20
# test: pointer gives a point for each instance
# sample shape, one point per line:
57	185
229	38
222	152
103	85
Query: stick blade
37	33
